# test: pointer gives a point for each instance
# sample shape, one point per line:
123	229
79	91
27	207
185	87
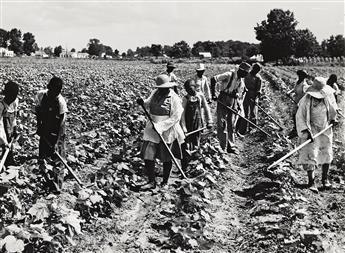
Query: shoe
149	186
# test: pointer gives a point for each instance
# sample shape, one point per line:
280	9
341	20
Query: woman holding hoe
165	108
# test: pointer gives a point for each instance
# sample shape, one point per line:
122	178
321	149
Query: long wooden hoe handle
298	148
65	163
274	121
162	140
7	150
232	110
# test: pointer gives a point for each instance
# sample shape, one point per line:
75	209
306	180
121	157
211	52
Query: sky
128	24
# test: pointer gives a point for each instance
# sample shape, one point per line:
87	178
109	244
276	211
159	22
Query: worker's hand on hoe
334	122
209	126
140	101
308	135
214	98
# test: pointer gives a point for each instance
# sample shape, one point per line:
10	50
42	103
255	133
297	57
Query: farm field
234	205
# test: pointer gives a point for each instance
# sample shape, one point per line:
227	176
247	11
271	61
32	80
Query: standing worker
9	110
231	88
51	110
316	111
170	72
253	83
299	90
195	114
332	81
165	109
202	82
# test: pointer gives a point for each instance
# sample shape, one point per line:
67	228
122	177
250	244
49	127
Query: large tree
181	50
29	43
15	41
57	51
277	35
334	46
306	44
156	50
95	47
130	53
3	38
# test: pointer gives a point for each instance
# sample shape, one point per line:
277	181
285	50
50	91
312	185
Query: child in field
9	109
194	103
51	109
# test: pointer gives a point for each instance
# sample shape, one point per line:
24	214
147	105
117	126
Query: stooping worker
8	124
165	108
299	91
202	82
51	111
316	111
253	83
231	88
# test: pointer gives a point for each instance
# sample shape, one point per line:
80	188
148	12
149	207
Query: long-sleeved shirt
253	85
237	84
202	86
166	114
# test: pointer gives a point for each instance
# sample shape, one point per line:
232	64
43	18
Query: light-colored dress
314	115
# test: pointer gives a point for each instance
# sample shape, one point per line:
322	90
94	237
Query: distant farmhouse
205	55
75	55
6	53
41	54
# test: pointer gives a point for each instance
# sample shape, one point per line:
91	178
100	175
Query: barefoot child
194	103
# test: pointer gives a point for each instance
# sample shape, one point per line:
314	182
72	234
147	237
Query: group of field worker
239	89
174	118
177	123
50	110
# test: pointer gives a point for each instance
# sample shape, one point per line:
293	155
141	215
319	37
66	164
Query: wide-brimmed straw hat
201	67
163	81
319	89
171	65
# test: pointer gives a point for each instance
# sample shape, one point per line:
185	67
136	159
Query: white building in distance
75	55
4	52
205	55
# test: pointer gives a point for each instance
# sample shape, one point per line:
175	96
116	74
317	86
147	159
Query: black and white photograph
173	126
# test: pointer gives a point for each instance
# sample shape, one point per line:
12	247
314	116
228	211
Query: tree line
279	39
17	42
278	36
